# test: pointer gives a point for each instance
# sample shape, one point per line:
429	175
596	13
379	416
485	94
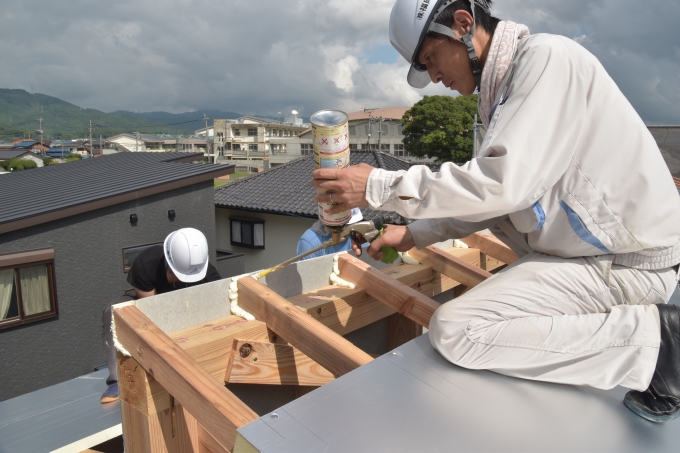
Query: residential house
263	216
154	143
21	153
68	234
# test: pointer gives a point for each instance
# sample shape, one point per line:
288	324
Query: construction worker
319	233
570	178
181	262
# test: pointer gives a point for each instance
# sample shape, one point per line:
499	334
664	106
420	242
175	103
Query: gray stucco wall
89	274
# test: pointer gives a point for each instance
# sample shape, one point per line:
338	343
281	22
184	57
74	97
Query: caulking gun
370	230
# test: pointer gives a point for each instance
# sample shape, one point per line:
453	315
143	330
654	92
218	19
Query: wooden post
218	410
490	245
447	264
326	347
152	422
402	330
387	290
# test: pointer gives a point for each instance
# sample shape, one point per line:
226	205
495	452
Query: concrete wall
281	235
89	274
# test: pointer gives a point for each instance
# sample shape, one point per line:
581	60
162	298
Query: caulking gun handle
390	254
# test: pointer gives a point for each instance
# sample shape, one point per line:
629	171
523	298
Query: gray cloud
271	56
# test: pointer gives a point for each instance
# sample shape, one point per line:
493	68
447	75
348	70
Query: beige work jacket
567	164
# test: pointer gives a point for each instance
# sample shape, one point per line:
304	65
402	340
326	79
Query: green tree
18	164
441	127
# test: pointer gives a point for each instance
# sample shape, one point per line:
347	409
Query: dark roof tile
39	191
286	189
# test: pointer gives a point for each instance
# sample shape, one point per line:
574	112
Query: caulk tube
330	130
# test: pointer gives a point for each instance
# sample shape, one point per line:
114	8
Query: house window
237	132
27	287
247	232
252	147
400	129
130	253
399	151
352	131
353	147
306	149
237	147
252	132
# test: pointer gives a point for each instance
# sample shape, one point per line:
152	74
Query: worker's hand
348	186
397	236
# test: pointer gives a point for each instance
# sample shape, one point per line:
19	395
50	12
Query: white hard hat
410	22
186	252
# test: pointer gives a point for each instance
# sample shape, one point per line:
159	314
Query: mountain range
20	111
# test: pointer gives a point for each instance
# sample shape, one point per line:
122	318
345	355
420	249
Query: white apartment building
254	141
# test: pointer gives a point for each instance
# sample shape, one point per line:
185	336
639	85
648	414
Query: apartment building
251	140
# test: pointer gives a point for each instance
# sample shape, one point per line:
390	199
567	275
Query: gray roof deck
66	417
87	183
412	400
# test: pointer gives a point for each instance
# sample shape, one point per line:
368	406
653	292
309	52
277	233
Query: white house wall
281	235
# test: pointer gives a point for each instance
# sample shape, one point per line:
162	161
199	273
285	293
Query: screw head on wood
245	350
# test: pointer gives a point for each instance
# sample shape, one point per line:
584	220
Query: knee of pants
448	334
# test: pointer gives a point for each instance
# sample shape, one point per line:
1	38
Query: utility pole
40	131
207	135
101	150
370	119
91	126
474	138
382	118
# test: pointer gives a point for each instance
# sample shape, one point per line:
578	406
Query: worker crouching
569	177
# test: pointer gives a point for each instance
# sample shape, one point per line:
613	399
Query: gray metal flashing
64	417
413	400
56	191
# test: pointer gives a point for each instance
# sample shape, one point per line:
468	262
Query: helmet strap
475	64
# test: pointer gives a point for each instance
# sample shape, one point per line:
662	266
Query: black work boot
661	401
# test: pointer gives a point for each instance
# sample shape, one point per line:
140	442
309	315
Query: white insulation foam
335	275
119	347
233	300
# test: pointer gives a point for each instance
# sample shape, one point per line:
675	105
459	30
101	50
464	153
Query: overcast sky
272	56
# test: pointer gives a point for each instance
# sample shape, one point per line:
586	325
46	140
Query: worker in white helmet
570	178
182	261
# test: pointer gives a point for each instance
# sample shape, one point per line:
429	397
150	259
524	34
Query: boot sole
647	416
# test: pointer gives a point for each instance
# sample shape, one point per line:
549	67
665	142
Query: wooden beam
218	410
450	265
492	246
274	364
387	290
208	444
326	347
209	343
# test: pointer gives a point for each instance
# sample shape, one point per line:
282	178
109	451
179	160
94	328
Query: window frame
16	261
122	255
252	223
252	132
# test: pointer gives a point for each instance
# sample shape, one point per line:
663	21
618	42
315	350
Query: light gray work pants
107	337
580	321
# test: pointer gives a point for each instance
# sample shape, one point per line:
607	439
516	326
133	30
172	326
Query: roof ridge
270	171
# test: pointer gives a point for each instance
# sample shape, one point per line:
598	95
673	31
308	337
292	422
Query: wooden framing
254	362
490	245
172	387
450	266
